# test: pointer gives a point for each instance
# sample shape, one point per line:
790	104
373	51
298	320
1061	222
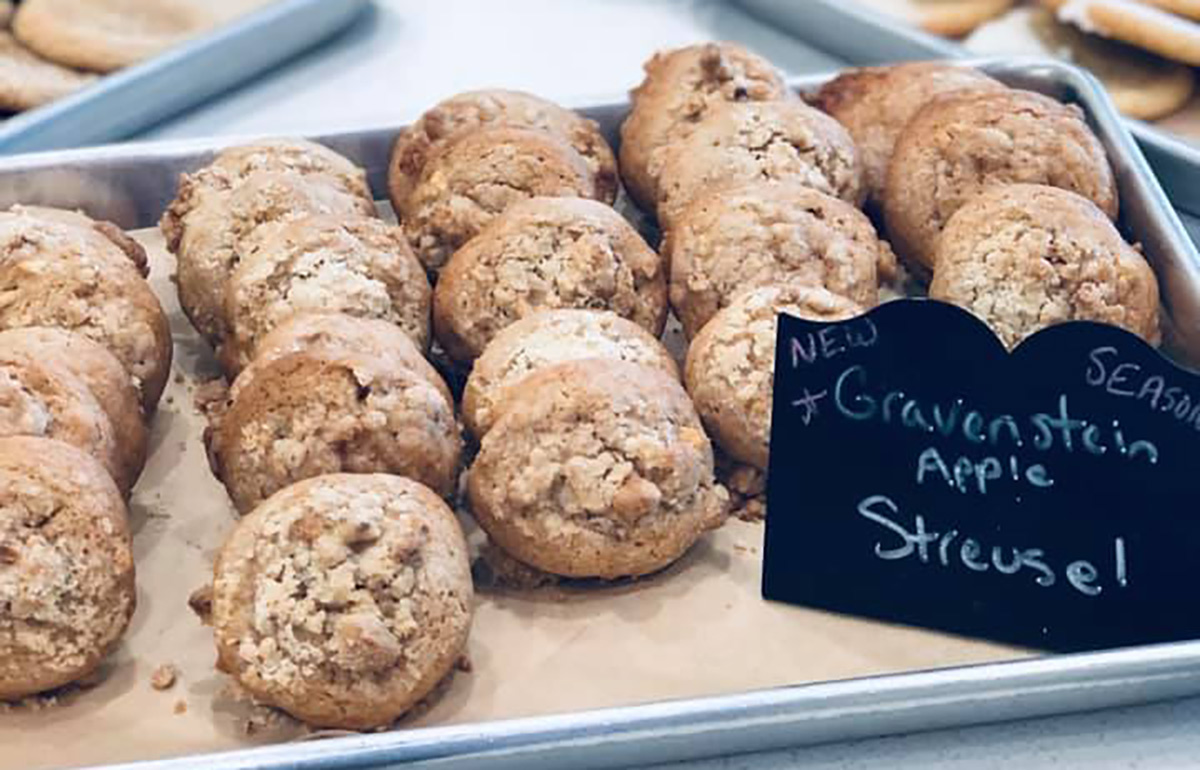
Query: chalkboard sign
922	474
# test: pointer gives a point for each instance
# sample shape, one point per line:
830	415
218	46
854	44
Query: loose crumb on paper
164	677
200	603
180	707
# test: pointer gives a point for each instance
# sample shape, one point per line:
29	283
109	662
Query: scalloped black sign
922	474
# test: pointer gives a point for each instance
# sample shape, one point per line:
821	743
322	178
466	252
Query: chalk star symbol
808	402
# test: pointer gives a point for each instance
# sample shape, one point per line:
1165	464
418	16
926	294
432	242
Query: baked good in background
343	599
326	263
473	177
876	103
550	337
542	254
623	484
106	35
1024	257
952	18
220	230
218	207
495	106
1152	25
57	274
746	141
27	80
1140	84
330	409
66	565
762	232
679	88
957	145
55	362
730	365
338	331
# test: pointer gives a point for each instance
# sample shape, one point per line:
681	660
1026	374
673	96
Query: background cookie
957	145
62	276
325	263
731	364
471	179
758	233
104	35
27	80
1023	257
678	89
1140	24
327	411
623	479
374	568
339	332
495	106
231	167
1141	85
105	379
876	103
552	337
542	254
743	142
219	226
66	565
952	18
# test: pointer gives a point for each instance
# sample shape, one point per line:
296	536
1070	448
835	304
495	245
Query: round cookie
39	397
952	18
744	142
474	177
1140	24
1141	84
210	247
104	377
758	233
106	35
113	234
337	331
327	411
730	365
66	565
343	599
547	253
876	103
552	337
1024	257
323	263
27	80
54	274
472	109
679	88
961	143
232	166
597	468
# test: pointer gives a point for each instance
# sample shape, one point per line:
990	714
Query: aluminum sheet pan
862	36
131	184
121	104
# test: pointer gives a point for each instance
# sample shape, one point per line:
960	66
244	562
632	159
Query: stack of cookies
85	352
338	439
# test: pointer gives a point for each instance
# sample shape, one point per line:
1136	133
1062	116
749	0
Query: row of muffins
85	351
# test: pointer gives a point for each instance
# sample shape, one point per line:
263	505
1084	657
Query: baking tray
128	101
863	36
131	184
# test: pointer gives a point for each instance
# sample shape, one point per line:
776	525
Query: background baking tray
125	102
131	184
862	36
